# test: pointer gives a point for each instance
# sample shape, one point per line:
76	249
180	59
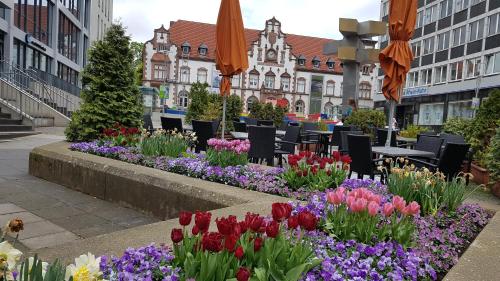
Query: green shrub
412	131
199	99
457	126
267	111
366	120
493	158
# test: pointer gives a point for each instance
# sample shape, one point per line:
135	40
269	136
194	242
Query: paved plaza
53	214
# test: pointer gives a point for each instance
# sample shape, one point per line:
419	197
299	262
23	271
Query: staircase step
5	115
5	121
15	128
12	135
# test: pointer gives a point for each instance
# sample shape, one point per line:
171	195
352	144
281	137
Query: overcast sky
304	17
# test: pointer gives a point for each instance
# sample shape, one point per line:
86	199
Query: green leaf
295	273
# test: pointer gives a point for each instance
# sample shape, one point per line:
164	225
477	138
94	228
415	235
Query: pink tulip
350	200
376	198
340	190
359	205
335	198
388	209
372	208
399	203
412	209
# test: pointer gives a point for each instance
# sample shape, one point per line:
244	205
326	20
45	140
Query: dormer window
203	49
301	60
330	63
316	62
186	48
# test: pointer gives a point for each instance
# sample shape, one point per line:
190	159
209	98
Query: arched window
235	82
301	85
269	80
182	100
330	88
185	74
328	109
202	75
365	90
300	107
253	79
250	101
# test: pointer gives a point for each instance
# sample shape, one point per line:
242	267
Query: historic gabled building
281	66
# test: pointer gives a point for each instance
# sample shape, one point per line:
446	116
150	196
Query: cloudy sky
304	17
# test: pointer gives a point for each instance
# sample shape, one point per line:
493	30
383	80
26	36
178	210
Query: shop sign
420	91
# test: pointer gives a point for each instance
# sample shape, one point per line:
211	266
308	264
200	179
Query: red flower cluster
313	162
118	129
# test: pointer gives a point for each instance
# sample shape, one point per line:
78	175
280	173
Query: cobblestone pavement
53	214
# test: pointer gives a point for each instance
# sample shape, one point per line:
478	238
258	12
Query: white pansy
9	254
85	268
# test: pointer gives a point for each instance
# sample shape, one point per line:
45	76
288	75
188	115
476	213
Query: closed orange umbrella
396	58
231	56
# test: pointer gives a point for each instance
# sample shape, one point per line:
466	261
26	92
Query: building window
446	8
235	82
160	72
365	70
186	48
316	62
300	107
426	76
285	84
459	36
460	109
440	74
254	81
474	2
251	100
301	85
185	74
385	9
431	14
365	90
162	47
330	64
69	35
473	67
494	24
328	110
67	74
203	50
269	81
428	46
73	6
443	41
493	63
2	12
420	19
380	84
202	76
431	114
182	100
301	60
412	80
461	5
35	17
330	88
476	30
456	70
416	49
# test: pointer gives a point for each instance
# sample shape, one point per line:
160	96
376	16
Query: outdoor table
324	140
401	152
407	140
244	136
187	127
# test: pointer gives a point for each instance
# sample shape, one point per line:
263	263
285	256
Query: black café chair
169	124
204	131
262	140
382	137
148	123
307	138
337	135
450	161
240	127
287	144
344	144
360	151
429	144
265	123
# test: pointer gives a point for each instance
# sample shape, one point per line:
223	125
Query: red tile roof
197	33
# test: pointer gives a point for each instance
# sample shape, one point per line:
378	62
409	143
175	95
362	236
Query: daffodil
85	268
9	256
31	261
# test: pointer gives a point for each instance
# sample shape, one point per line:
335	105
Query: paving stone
27	217
9	208
118	214
57	212
80	221
50	240
40	204
39	228
138	222
98	230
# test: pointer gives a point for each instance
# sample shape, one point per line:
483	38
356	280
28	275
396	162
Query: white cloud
305	17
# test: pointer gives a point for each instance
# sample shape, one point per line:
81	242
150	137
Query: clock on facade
271	55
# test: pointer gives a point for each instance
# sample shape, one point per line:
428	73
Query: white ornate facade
281	66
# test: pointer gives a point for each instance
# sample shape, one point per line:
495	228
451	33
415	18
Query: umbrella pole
391	116
223	116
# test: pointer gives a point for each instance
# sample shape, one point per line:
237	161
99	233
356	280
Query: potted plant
493	163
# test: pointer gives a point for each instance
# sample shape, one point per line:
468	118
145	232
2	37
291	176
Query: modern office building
52	36
283	67
456	46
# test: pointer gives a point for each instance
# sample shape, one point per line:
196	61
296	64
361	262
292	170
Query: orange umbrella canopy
396	58
231	50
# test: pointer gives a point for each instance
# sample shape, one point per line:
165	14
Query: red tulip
346	159
185	218
273	229
212	241
226	225
243	274
281	211
195	230
202	220
293	222
176	235
255	222
257	244
239	253
230	242
307	220
336	156
243	226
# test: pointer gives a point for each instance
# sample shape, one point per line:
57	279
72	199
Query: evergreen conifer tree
110	94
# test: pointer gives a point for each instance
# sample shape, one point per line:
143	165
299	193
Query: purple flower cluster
100	148
369	184
442	238
350	260
146	263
